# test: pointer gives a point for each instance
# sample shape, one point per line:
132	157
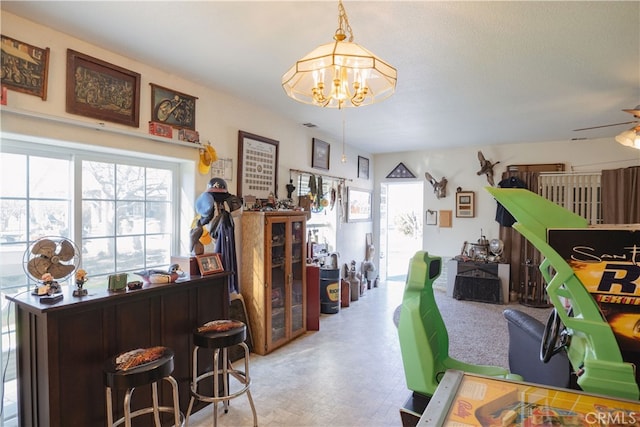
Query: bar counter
61	347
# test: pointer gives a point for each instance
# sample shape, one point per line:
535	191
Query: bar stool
136	368
221	335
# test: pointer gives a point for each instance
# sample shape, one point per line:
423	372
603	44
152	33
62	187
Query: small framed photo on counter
209	264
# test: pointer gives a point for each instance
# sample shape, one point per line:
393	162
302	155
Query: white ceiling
469	73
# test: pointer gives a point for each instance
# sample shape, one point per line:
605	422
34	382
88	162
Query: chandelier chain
343	23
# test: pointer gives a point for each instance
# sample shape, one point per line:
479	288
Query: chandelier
341	73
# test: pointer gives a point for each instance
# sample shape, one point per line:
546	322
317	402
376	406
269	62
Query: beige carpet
478	331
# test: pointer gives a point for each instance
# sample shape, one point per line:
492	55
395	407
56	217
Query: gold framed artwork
257	166
209	264
465	204
25	68
101	90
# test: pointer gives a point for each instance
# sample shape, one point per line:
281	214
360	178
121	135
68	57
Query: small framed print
358	204
320	154
432	217
209	264
363	167
173	108
445	219
465	204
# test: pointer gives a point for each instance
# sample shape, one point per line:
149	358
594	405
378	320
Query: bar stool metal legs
220	342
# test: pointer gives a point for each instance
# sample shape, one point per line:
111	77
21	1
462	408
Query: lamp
631	137
340	74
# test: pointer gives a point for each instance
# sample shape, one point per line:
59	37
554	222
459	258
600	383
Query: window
579	193
126	217
118	210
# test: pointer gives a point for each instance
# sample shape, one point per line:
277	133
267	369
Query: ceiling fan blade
66	251
605	126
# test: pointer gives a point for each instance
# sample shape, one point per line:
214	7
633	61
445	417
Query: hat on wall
208	155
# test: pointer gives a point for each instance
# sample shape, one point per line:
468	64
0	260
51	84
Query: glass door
297	271
277	330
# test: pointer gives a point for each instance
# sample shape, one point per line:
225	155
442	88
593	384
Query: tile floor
347	374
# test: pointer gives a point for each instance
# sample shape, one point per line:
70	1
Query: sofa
525	336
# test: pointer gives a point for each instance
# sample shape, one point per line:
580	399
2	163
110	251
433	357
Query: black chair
525	338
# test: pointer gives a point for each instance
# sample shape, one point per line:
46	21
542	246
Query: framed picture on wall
432	217
363	167
320	152
359	204
465	204
173	108
257	166
25	68
101	90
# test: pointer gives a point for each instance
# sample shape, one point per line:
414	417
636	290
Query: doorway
401	221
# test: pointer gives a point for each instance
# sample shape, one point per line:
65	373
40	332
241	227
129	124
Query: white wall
219	117
459	166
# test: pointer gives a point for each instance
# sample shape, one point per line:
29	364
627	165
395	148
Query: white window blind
579	193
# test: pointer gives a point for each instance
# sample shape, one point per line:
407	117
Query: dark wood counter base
61	347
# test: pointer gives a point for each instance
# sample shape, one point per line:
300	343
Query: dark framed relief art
173	108
101	90
320	154
25	68
363	167
257	166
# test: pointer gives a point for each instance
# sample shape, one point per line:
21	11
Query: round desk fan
58	256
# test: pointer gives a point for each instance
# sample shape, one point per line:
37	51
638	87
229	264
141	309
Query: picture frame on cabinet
257	166
25	68
209	263
173	108
358	204
100	90
465	204
320	154
363	167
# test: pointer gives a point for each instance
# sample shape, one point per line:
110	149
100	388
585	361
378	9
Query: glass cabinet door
278	258
297	272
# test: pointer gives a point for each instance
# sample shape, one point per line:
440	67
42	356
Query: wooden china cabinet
273	276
